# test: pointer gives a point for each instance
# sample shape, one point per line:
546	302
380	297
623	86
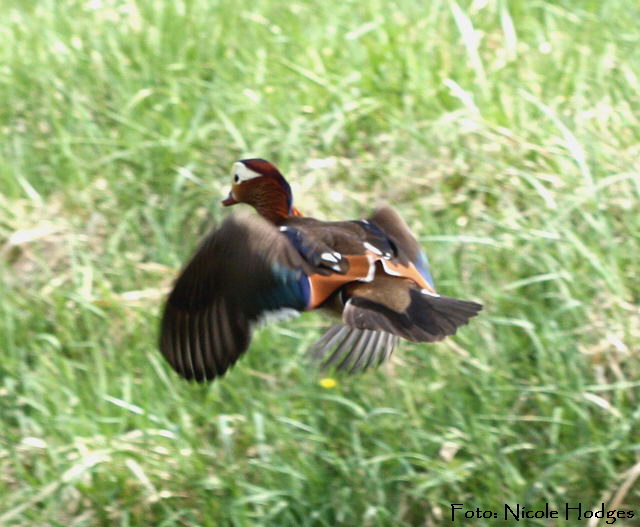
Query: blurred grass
506	133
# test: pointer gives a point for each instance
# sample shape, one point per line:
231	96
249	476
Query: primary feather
228	286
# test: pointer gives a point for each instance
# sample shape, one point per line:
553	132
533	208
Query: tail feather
425	318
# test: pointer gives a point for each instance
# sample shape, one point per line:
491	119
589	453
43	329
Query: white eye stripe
242	173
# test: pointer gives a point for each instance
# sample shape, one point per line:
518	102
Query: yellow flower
327	382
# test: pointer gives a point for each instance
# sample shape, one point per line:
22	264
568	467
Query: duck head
261	185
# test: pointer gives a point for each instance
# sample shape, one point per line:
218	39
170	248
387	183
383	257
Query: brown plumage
371	273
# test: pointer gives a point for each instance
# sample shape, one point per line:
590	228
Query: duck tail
420	317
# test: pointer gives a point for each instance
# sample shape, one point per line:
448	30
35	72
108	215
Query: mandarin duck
371	273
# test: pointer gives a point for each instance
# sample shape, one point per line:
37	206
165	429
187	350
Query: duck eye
236	178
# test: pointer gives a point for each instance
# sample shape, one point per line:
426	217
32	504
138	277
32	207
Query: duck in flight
371	273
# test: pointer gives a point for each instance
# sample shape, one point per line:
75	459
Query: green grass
506	133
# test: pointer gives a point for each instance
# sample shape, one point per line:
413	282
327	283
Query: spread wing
241	272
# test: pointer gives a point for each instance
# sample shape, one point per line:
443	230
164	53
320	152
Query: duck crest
269	194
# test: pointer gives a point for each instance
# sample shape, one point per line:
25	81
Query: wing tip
202	346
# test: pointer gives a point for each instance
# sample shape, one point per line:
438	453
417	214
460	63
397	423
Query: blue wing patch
291	290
